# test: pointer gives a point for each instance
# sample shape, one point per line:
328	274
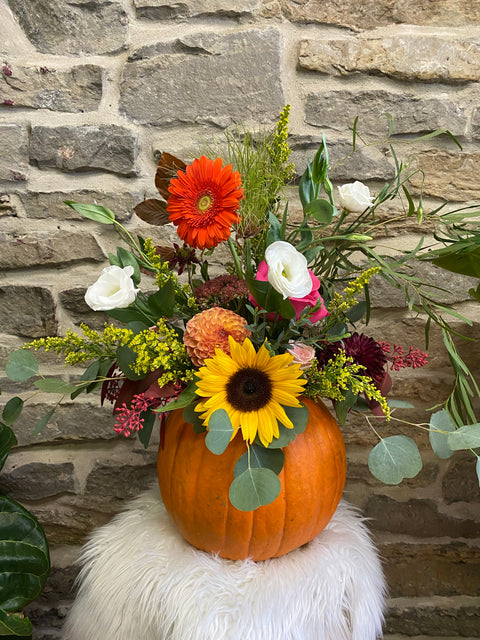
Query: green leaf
127	259
14	624
299	418
93	211
357	312
54	385
467	437
12	410
191	416
126	357
187	396
393	403
88	375
7	441
270	299
21	365
342	407
257	457
441	425
254	488
219	433
275	230
477	468
25	560
321	210
145	434
162	302
306	188
43	422
394	459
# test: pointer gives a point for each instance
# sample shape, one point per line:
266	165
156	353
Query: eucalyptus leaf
467	437
257	457
441	425
394	459
285	437
393	403
93	211
219	433
12	410
43	422
54	385
254	488
299	417
477	468
21	365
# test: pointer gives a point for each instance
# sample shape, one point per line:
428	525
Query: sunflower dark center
249	389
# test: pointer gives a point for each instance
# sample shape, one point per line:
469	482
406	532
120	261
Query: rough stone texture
460	482
412	113
73	27
7	206
13	153
431	569
364	164
50	205
73	301
165	9
77	89
430	58
436	616
420	518
71	422
372	13
236	67
112	484
48	249
84	148
35	313
459	166
36	480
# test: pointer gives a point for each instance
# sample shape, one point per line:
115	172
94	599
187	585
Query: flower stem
236	259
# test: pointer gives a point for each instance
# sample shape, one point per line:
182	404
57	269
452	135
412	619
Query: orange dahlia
209	330
203	202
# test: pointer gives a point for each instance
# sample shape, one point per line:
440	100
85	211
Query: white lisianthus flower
114	289
355	197
287	270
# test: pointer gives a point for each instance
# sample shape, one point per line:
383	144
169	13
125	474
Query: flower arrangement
238	351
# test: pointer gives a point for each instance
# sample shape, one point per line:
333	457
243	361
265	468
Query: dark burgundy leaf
167	168
152	211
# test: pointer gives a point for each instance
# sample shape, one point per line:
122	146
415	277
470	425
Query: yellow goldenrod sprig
92	345
161	348
339	376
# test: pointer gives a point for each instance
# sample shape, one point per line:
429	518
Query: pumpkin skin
194	484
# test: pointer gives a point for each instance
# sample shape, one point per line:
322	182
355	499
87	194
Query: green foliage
394	459
93	212
220	432
21	365
441	424
255	487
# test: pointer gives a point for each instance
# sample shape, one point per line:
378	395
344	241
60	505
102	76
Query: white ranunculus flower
355	196
287	270
114	289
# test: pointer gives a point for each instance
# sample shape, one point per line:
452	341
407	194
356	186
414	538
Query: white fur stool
141	581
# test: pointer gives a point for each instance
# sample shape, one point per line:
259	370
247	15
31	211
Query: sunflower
251	386
203	202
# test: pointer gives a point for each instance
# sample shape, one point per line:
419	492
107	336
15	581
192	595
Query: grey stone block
205	78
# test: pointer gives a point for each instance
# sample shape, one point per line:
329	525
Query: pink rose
303	354
299	304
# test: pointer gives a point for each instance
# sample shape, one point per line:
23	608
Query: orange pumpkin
194	484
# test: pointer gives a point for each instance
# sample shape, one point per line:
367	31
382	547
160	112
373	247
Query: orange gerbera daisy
203	202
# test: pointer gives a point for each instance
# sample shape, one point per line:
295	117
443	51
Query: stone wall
91	92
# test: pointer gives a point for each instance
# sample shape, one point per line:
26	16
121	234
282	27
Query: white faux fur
141	581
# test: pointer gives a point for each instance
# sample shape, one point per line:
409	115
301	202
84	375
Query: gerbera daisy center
249	389
205	202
